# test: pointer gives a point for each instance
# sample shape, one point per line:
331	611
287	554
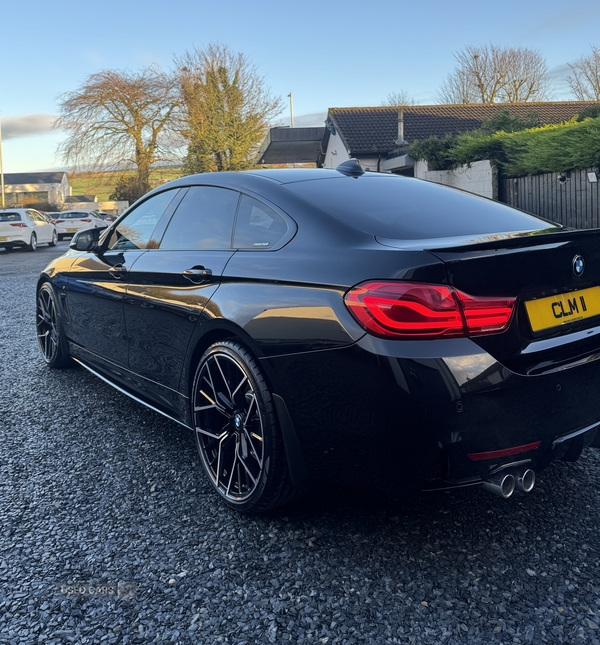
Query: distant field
102	184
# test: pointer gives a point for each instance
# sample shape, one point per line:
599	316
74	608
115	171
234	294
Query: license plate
71	230
563	308
3	239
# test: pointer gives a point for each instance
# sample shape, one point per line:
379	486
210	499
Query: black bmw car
313	325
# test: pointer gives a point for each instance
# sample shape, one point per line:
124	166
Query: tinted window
203	220
135	230
410	209
257	226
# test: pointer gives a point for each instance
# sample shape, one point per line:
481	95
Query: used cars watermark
97	589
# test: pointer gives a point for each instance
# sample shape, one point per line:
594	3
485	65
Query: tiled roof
373	130
12	178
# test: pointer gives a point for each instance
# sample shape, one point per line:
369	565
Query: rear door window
203	220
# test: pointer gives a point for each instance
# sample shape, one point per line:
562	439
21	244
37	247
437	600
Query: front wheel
49	328
236	427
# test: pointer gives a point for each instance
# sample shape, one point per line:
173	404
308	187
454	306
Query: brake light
410	310
86	220
59	221
20	225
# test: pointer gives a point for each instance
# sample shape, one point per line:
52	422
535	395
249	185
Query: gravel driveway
96	490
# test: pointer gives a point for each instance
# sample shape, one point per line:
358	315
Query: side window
257	225
135	231
203	220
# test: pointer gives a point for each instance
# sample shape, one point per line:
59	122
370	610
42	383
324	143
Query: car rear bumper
440	413
15	240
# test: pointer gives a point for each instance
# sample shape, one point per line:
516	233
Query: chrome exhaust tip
502	484
525	480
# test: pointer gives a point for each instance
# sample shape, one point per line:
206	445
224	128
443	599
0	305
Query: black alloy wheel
49	330
237	433
32	246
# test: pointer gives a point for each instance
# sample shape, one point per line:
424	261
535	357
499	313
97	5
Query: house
28	187
379	136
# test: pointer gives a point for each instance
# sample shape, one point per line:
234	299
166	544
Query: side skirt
129	394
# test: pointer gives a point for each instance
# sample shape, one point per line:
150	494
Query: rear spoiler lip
506	240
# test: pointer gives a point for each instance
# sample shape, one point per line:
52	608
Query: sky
333	53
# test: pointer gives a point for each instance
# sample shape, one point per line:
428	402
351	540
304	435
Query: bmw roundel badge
578	265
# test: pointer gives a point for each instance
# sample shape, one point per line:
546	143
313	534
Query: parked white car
26	227
69	222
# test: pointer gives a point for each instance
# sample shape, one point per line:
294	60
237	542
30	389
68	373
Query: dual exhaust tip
506	482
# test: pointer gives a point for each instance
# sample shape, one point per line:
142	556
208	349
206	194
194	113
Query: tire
236	428
54	241
49	328
32	246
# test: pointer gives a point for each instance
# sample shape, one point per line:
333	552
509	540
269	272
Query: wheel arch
215	332
226	331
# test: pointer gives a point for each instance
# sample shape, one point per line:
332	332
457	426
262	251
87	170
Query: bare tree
116	119
226	108
493	74
395	99
585	80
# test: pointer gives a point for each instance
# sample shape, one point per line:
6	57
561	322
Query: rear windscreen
73	215
412	209
10	217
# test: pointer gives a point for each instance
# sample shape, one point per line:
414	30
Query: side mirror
86	240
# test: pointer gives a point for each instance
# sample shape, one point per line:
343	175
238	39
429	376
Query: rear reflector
507	452
410	310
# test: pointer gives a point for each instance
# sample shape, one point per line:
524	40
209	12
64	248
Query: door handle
117	271
197	274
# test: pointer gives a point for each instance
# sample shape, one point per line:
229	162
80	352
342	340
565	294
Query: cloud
26	125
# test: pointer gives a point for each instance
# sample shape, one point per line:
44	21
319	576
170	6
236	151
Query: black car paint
359	409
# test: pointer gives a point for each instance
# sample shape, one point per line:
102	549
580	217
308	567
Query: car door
98	281
169	286
43	230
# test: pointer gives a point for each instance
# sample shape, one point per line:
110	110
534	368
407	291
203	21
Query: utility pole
1	169
291	110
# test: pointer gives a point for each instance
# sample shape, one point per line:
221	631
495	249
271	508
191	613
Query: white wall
56	192
481	177
336	152
113	208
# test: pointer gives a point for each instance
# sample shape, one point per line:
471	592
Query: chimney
401	141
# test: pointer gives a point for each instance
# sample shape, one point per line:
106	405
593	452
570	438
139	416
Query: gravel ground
96	490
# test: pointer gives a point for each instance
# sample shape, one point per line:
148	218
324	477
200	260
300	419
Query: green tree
226	109
120	119
504	121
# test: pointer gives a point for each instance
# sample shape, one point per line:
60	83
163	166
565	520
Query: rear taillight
414	311
86	220
20	225
59	221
